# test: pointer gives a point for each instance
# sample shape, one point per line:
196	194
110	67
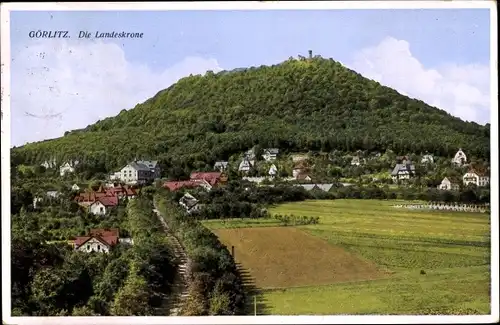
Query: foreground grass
449	291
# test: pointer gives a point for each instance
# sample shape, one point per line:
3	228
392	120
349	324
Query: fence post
232	251
255	305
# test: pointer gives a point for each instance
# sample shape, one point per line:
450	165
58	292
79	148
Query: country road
180	292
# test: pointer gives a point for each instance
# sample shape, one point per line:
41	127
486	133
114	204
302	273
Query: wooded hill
298	105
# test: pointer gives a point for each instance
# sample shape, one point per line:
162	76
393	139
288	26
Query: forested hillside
300	104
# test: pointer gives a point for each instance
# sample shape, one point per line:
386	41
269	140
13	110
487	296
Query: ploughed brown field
281	257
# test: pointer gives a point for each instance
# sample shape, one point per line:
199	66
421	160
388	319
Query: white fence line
448	207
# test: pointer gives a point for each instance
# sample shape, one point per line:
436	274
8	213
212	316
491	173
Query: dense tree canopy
315	104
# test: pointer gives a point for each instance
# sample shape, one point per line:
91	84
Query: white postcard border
254	5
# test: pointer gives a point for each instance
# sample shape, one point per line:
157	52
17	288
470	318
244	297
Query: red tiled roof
108	201
211	177
122	190
106	236
109	195
108	240
176	185
89	197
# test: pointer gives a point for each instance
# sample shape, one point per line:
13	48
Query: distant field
452	249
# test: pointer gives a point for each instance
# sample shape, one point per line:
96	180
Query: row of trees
292	220
215	287
246	200
152	266
469	195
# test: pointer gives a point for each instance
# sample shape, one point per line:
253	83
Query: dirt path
180	292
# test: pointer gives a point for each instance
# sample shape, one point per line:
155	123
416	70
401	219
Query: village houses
270	154
221	166
300	167
190	203
249	155
303	177
49	195
51	163
460	158
138	172
356	161
99	240
449	184
68	167
246	165
192	183
102	204
213	178
476	177
403	171
206	180
427	159
99	202
273	170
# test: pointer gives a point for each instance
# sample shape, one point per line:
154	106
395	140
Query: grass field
366	238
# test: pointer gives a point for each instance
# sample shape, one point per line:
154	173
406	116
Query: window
101	209
98	247
88	247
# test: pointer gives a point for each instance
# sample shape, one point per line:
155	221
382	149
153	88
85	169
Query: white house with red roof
102	204
98	240
100	201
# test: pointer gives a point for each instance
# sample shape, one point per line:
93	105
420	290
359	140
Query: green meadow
437	261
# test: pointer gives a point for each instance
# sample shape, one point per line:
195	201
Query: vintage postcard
250	162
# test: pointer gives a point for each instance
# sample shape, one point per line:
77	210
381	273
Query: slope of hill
300	104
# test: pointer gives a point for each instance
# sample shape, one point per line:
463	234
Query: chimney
310	54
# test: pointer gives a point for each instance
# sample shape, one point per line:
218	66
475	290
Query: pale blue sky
448	66
242	38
